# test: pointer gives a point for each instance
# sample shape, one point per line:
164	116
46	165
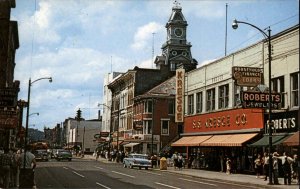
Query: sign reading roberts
179	95
260	100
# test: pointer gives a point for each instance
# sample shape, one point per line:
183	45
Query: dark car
41	155
63	155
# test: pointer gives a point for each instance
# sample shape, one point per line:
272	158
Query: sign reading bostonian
260	100
247	76
179	95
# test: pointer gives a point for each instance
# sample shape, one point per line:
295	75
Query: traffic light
78	116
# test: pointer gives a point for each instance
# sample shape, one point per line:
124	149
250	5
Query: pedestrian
15	168
275	168
180	162
97	154
175	160
228	166
295	173
266	165
258	165
27	166
5	167
286	167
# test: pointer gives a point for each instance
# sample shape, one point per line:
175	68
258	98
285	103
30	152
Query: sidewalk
220	177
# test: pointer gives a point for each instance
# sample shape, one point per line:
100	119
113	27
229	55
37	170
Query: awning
228	140
264	141
131	144
293	140
191	140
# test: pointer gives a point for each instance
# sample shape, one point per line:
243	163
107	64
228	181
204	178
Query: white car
137	160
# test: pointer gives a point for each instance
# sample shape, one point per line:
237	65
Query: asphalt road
83	173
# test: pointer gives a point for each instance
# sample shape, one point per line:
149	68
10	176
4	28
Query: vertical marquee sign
179	101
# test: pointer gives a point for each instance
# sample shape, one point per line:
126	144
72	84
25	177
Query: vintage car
41	155
61	154
137	160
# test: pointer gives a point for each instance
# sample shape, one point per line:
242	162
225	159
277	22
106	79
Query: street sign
104	134
8	97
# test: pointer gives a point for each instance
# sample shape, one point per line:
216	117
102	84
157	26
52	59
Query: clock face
178	32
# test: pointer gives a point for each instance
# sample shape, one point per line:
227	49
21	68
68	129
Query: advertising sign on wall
179	98
247	76
235	119
260	100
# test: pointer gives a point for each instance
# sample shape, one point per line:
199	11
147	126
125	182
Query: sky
77	42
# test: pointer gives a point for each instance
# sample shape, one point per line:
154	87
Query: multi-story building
106	111
176	53
9	89
82	134
216	125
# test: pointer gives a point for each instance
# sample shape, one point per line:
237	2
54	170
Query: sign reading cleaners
179	95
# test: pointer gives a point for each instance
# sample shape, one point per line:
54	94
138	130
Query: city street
85	173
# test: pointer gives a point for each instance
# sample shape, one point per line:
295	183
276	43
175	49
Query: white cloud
143	35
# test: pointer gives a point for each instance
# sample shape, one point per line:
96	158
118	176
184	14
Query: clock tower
176	52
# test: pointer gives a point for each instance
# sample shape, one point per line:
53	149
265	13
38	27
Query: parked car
41	155
137	160
62	154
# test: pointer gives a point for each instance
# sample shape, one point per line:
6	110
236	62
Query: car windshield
140	156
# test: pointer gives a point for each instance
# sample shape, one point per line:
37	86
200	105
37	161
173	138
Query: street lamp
267	36
27	113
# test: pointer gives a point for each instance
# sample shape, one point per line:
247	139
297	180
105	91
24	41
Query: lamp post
267	36
27	113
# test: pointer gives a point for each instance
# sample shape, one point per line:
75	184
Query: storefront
209	139
285	127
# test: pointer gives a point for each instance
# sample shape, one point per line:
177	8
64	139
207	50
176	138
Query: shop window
165	127
191	104
278	86
223	96
294	89
199	102
210	100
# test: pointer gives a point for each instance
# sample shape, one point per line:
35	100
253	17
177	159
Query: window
191	104
223	96
172	66
148	106
294	89
199	99
171	109
147	127
237	96
210	100
278	86
165	127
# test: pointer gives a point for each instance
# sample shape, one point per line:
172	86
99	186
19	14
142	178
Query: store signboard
235	119
247	76
179	101
8	97
260	100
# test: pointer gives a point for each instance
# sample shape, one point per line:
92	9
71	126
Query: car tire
146	168
124	165
130	166
140	168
